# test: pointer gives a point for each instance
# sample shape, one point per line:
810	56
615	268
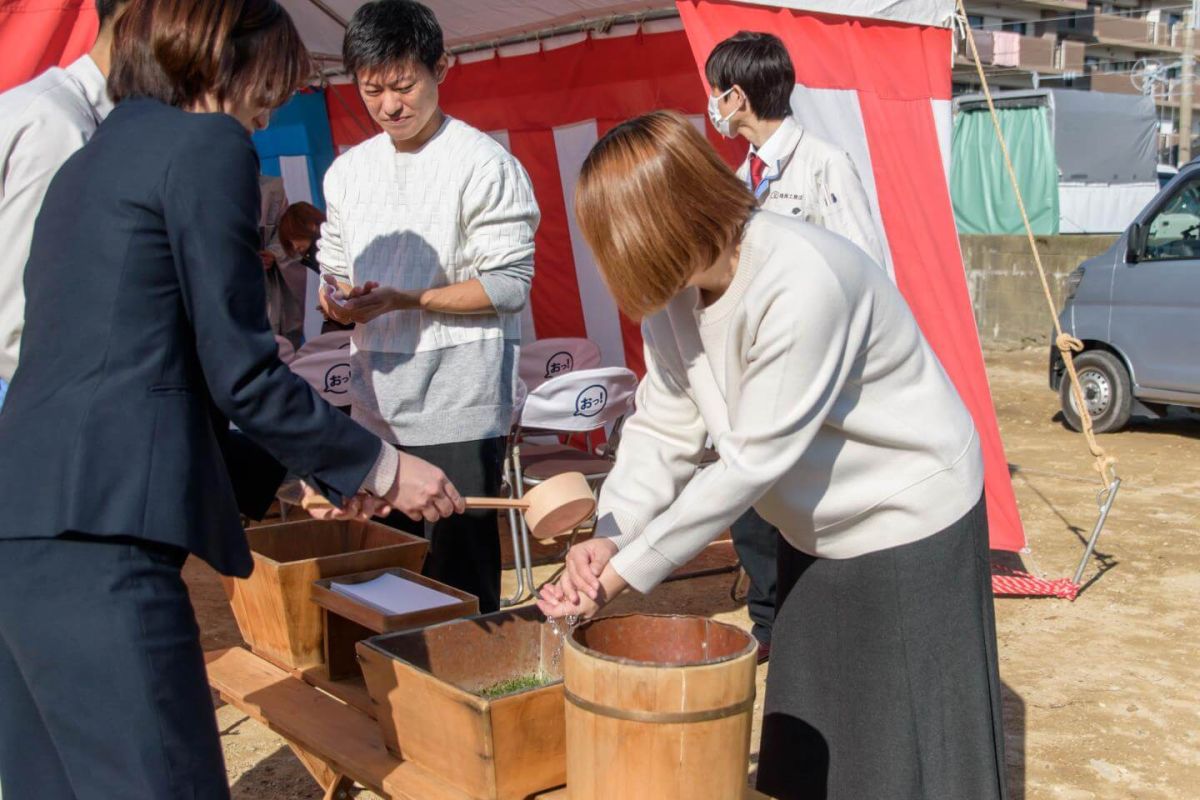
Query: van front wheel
1106	390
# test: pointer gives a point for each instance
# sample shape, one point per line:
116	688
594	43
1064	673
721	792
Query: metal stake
1105	507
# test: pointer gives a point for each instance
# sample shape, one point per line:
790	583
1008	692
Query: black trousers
757	544
884	680
103	692
464	550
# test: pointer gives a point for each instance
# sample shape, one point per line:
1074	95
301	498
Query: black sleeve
210	204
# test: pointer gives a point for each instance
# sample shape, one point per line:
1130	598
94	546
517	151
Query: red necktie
758	168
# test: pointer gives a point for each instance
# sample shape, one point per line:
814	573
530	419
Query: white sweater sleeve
660	449
331	253
500	217
793	376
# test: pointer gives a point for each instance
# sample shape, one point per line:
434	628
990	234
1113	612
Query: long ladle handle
497	502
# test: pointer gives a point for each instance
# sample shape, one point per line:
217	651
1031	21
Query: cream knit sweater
832	416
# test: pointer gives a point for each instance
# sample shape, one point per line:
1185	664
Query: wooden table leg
336	785
340	790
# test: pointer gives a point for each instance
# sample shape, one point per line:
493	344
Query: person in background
299	232
791	172
146	335
432	223
789	348
42	123
295	238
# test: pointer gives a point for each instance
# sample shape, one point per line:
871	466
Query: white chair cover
549	358
326	371
580	401
334	340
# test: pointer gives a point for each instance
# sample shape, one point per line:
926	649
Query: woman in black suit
146	333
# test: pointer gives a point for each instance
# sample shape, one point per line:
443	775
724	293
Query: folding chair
286	351
583	401
334	340
544	359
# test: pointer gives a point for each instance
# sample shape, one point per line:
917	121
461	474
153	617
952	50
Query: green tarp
983	197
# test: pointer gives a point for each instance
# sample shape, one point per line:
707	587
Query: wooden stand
339	745
348	622
273	606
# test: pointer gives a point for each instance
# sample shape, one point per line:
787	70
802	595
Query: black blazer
146	329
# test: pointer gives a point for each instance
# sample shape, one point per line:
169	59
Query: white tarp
481	21
937	13
1101	207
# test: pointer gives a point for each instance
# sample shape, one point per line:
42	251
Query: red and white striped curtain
38	34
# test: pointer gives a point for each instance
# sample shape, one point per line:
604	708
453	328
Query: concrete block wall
1006	293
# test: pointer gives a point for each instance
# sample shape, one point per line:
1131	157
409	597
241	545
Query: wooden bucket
658	707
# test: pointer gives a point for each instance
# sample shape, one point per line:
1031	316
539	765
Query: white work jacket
810	179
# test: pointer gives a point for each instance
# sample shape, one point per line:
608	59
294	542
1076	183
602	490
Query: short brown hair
179	51
300	221
656	204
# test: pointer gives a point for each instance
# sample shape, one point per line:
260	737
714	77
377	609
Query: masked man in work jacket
794	173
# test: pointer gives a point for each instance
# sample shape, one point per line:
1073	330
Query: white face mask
714	114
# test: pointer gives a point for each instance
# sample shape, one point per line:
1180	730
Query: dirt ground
1102	695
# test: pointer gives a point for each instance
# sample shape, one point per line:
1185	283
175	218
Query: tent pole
600	24
328	11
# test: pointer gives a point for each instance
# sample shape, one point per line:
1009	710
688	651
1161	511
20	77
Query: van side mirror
1135	243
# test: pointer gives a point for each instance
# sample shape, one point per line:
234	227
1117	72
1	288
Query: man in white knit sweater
432	224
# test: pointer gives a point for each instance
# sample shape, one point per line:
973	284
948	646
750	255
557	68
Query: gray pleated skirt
883	682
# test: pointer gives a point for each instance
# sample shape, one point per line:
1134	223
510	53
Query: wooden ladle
551	509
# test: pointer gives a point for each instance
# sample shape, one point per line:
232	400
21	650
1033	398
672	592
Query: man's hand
333	297
379	300
421	491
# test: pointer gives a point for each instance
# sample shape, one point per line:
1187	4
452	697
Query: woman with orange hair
789	348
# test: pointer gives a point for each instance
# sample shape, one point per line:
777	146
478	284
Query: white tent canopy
470	22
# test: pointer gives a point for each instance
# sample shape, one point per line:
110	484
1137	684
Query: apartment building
1124	46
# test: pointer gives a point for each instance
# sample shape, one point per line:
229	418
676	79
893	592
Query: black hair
760	65
105	9
391	32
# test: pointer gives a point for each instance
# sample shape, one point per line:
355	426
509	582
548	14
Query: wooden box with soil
348	621
442	702
274	608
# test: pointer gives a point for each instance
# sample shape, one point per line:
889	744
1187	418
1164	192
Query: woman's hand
568	597
584	566
552	602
